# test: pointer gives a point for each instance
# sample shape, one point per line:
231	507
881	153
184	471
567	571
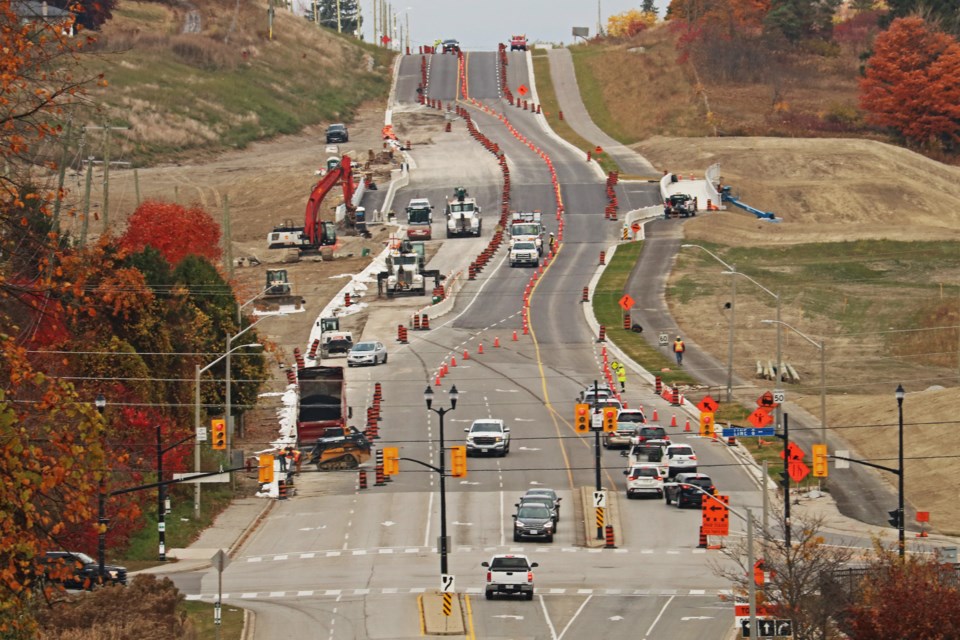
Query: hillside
183	95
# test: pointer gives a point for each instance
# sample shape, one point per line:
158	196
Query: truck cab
527	226
419	219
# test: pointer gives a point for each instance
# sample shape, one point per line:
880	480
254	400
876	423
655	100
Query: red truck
518	42
322	404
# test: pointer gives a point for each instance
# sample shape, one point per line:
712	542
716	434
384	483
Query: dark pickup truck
81	571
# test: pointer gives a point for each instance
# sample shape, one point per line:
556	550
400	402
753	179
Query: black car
550	493
685	490
652	433
533	521
337	133
545	501
83	572
451	46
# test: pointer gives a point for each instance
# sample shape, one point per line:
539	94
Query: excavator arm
342	174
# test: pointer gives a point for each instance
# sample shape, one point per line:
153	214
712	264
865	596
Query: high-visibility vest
678	346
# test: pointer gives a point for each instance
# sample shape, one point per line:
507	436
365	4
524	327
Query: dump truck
340	449
463	215
419	219
322	404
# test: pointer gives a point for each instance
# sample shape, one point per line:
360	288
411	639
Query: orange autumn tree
912	84
51	456
175	231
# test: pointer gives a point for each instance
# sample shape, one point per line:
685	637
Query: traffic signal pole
786	480
596	447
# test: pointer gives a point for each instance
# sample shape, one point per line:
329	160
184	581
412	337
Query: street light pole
228	398
196	420
428	397
101	404
733	312
901	541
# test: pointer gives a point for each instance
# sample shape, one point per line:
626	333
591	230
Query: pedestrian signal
265	469
219	428
458	462
391	461
820	467
609	419
581	418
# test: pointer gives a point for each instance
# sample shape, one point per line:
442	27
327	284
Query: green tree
350	19
798	20
648	6
944	12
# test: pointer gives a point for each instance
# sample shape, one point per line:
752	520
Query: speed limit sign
779	396
664	339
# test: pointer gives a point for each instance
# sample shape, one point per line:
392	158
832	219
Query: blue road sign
747	432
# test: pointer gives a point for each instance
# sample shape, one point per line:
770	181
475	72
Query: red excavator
317	233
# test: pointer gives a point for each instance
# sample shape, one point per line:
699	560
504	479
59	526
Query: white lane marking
657	619
506	616
388	523
577	613
546	616
426	530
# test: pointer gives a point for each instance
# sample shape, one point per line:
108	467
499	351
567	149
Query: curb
611	517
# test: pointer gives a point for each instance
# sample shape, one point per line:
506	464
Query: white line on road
574	617
546	616
657	619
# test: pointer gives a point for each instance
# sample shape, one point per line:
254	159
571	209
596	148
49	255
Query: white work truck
509	574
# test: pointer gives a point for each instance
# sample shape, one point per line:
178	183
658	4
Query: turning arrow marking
388	523
468	482
524	420
615	618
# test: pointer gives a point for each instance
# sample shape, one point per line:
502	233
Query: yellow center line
471	635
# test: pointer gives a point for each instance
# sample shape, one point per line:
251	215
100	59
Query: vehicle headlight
113	574
549	525
498	439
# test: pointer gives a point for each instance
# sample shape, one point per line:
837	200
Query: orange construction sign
626	302
760	418
715	515
708	404
522	90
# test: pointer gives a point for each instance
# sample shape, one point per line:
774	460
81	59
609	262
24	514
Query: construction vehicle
518	43
419	219
316	233
277	292
322	403
679	205
526	226
333	341
406	272
463	214
340	449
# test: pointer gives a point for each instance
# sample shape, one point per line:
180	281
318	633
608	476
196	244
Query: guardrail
636	217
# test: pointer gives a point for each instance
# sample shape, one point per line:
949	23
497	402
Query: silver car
367	352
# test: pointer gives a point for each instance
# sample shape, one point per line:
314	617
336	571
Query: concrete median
435	621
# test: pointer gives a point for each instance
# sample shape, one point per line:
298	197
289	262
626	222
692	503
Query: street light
823	386
779	366
101	403
733	314
901	541
428	396
196	417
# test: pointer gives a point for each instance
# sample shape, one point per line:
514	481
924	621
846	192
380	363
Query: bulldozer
277	292
338	450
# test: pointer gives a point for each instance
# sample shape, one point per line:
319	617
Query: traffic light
894	518
581	418
458	462
391	461
758	577
820	467
706	424
265	469
219	428
784	479
609	419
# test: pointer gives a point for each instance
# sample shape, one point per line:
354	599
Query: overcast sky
482	24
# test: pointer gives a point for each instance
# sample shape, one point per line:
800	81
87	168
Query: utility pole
106	171
376	25
408	30
339	27
227	236
136	186
86	202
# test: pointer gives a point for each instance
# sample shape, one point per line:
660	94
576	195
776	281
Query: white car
524	253
488	435
679	458
367	352
644	479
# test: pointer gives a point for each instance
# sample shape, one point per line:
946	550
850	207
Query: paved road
346	563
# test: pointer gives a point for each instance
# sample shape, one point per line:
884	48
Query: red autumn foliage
912	83
173	230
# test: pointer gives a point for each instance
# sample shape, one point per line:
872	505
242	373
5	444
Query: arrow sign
626	302
708	405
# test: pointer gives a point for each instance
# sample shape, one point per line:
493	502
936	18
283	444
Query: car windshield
493	427
82	557
657	432
525	230
506	564
336	127
681	451
703	482
648	472
630	417
365	346
543	492
533	511
525	246
536	500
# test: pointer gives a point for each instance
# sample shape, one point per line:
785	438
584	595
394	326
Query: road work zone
434	618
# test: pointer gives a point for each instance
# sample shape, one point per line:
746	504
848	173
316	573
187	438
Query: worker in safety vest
551	242
621	375
678	349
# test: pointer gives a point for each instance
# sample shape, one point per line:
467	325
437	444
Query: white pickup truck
510	574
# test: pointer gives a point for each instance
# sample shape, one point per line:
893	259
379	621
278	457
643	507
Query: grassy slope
181	95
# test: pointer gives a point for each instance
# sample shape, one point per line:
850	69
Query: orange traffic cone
656	418
480	348
673	420
453	362
686	427
703	539
437	383
466	354
496	342
514	336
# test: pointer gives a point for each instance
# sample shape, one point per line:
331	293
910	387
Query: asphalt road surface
337	562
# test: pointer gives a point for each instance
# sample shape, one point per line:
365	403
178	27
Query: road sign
448	584
626	302
663	339
760	418
783	628
708	404
220	560
797	470
201	434
841	464
600	498
766	628
747	432
766	400
522	90
779	396
715	516
795	452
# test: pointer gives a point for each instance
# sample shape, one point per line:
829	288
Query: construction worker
621	375
678	349
552	241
